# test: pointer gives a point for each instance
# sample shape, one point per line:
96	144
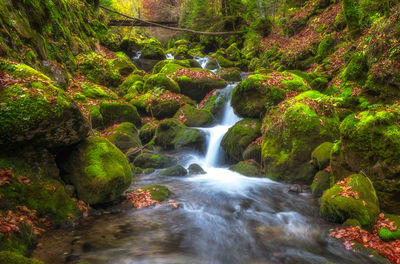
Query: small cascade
137	55
169	56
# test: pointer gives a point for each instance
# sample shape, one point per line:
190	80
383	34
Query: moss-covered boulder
124	136
321	156
230	74
8	257
258	93
159	103
35	112
130	83
387	234
148	131
214	102
153	160
40	191
152	52
161	81
197	83
160	65
98	170
352	198
321	182
253	151
370	142
98	92
239	137
176	170
196	169
194	117
292	131
95	117
158	192
247	168
115	113
171	134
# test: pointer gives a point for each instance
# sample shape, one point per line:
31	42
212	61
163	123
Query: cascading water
224	218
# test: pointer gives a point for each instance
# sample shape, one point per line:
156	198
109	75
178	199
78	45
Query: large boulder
194	117
197	83
370	143
98	170
292	131
321	156
124	136
153	160
159	103
35	112
239	137
258	93
171	134
161	81
230	74
352	198
115	113
321	182
153	52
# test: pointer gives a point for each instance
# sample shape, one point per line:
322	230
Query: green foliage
351	13
13	258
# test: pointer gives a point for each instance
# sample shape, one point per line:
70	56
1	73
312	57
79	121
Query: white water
169	56
137	55
203	63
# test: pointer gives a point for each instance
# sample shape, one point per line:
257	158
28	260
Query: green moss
194	117
351	222
14	258
325	48
156	161
22	242
148	171
176	170
322	154
247	168
95	91
98	170
161	64
170	68
173	135
240	136
338	209
387	235
321	182
21	70
115	113
128	83
79	97
124	136
153	52
352	17
161	81
158	192
357	68
230	74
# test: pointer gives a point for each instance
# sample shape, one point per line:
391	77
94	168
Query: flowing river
224	218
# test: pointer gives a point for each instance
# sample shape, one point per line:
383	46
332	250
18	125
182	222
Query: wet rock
321	156
152	160
98	170
247	168
320	183
124	136
230	74
196	169
176	170
194	117
296	188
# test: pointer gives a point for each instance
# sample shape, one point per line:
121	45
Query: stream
224	218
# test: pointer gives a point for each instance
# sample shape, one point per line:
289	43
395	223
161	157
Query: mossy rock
152	52
252	152
124	136
233	52
44	194
128	83
247	168
321	182
115	113
258	93
160	65
387	235
230	74
196	169
162	81
158	192
95	91
292	131
199	84
99	70
215	103
8	257
80	98
98	170
37	113
170	68
176	170
194	117
182	52
239	137
370	142
160	103
22	242
365	209
212	64
148	131
148	171
321	156
130	45
156	161
95	117
123	64
357	68
173	135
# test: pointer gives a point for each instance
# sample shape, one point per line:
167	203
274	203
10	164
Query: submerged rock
158	192
176	170
196	169
156	161
98	170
